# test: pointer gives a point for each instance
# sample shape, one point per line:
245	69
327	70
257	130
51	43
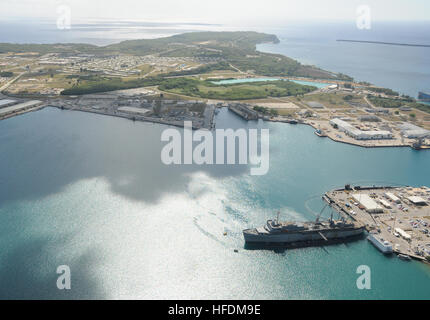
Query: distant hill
236	48
245	40
242	40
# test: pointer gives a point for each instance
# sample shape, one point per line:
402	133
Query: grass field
332	100
245	91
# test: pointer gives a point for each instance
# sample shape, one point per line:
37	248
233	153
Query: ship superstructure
275	231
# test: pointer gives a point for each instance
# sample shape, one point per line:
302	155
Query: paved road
6	85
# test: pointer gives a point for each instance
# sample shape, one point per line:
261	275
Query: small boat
320	133
381	244
404	257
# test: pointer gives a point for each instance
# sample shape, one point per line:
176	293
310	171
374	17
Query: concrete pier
400	215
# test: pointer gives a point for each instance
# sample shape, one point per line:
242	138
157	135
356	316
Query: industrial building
6	102
423	96
418	201
392	197
405	108
134	110
411	131
19	107
368	203
358	134
369	118
385	203
402	220
378	110
403	233
315	105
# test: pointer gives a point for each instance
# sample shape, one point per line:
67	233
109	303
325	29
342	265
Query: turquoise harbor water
247	80
90	192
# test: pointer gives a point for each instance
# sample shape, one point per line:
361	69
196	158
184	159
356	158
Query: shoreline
337	199
386	43
357	144
213	124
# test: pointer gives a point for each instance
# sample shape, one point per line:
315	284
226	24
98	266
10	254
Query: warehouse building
385	203
19	107
392	197
369	118
6	102
134	110
368	203
403	234
411	131
315	105
358	134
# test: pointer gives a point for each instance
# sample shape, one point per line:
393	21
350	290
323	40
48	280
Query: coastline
211	233
354	143
386	43
180	124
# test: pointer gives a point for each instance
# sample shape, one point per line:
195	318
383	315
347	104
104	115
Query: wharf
386	210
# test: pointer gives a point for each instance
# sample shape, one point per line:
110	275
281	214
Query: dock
400	215
13	108
244	112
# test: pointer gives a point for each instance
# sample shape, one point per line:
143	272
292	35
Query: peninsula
187	76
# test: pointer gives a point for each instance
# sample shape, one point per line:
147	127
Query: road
6	85
369	103
238	70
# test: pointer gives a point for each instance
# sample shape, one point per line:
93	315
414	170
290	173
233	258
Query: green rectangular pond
248	80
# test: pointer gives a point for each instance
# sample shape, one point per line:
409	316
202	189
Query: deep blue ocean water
405	69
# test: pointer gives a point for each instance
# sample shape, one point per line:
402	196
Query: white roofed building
412	131
368	203
392	197
403	233
358	134
417	201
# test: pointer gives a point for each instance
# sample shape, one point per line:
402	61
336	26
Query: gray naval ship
303	234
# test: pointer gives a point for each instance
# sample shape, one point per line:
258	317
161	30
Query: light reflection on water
91	192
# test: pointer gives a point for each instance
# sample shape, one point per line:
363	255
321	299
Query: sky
216	11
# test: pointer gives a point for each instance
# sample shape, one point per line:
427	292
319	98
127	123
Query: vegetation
104	85
397	103
386	91
243	40
203	69
420	106
266	111
334	100
364	83
278	65
192	87
227	48
386	102
255	90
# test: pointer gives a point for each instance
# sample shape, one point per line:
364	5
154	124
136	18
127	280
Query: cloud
220	11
